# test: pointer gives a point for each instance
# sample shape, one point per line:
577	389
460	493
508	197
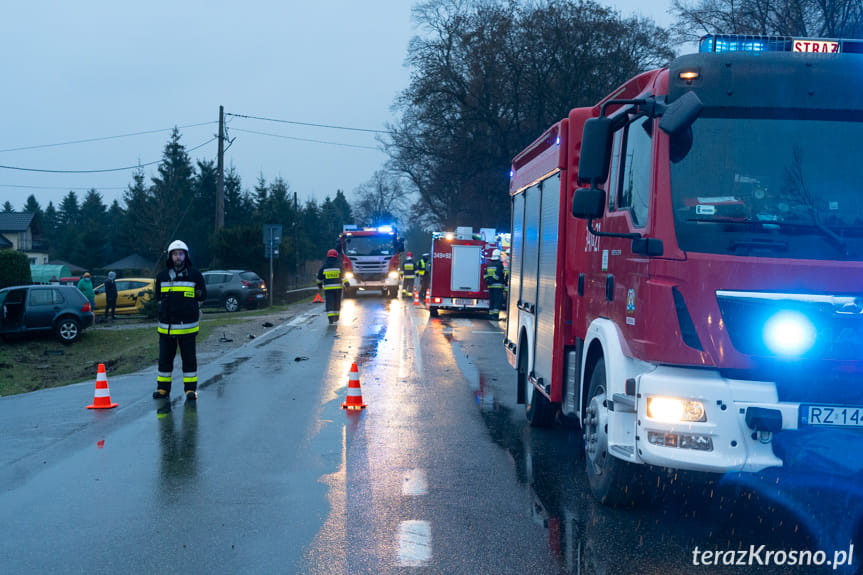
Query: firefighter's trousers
495	301
408	286
168	351
333	303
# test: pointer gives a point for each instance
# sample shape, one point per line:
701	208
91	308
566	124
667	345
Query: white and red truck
686	275
370	259
458	260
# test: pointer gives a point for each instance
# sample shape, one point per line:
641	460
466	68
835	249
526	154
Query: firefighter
425	276
180	289
330	280
408	275
495	279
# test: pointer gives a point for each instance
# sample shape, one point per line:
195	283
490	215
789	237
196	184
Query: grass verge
42	362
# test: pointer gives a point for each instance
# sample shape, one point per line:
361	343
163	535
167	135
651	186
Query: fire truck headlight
789	333
349	276
673	409
394	275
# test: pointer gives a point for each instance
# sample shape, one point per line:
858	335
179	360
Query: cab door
624	274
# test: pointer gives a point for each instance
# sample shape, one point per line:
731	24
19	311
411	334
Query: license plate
831	415
260	296
462	301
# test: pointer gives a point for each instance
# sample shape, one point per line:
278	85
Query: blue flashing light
557	142
385	229
789	333
511	174
757	44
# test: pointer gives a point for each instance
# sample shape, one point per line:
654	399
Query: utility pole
296	241
220	176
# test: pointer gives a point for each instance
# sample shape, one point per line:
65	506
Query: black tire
232	303
537	408
68	330
433	311
613	482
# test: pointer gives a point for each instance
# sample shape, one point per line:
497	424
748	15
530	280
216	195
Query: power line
136	166
16	187
305	139
104	138
307	124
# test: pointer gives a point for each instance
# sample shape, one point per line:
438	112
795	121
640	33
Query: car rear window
250	276
41	296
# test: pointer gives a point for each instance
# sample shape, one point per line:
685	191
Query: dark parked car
233	289
44	308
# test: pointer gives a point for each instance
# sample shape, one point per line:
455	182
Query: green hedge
14	268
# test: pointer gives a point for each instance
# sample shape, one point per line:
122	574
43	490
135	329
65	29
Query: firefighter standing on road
330	279
495	280
408	275
424	272
180	289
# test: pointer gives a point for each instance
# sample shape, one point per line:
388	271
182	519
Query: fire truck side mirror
681	114
595	151
588	203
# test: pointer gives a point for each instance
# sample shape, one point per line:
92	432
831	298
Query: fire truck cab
370	259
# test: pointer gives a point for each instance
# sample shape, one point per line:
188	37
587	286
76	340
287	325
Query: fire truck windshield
772	187
369	245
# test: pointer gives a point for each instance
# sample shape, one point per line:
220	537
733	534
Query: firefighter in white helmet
495	280
180	289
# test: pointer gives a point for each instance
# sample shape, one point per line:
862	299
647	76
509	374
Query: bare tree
808	18
379	201
488	77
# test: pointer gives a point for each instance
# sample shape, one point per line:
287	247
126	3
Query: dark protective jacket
179	294
495	274
111	289
330	274
408	268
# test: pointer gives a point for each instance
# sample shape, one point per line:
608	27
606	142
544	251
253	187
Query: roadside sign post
272	239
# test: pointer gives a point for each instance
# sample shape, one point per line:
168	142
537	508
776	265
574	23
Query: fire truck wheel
612	481
537	407
433	311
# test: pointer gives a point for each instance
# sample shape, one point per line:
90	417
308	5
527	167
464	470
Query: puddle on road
587	537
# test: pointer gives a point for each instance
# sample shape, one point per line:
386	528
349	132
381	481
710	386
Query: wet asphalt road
439	473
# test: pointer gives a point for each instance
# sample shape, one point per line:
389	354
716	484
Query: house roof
132	262
15	221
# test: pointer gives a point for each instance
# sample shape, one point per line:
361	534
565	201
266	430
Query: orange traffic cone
354	400
428	298
318	299
102	399
416	297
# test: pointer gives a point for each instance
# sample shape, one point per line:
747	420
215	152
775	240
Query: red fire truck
458	261
687	263
370	258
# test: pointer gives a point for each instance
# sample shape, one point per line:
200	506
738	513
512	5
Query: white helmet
495	255
178	245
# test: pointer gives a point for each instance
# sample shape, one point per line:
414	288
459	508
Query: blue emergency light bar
754	44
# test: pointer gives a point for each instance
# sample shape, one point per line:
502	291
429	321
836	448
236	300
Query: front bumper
742	418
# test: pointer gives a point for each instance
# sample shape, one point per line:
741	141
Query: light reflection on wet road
440	473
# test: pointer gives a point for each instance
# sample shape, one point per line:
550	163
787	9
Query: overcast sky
105	69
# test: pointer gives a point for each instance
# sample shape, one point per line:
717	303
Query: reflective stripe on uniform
332	274
163	377
178	329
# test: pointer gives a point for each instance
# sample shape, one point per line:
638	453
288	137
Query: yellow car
131	295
